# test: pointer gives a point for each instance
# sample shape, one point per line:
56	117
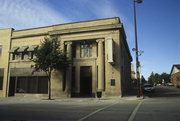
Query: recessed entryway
86	81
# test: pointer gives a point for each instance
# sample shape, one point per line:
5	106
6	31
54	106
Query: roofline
75	30
8	28
69	23
173	67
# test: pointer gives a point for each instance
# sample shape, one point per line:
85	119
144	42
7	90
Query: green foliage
49	56
151	78
157	78
166	77
143	80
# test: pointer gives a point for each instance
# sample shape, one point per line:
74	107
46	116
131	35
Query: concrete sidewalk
12	100
132	98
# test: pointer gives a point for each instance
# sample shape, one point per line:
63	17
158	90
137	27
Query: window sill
17	61
91	58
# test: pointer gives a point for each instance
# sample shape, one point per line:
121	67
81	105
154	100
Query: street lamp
136	48
140	51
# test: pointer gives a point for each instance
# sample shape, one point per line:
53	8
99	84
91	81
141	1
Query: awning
22	49
25	72
14	49
32	48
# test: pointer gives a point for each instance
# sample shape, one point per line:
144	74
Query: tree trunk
49	84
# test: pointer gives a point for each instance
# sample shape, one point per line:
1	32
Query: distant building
175	75
98	49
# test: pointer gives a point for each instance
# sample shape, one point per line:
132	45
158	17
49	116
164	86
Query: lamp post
136	47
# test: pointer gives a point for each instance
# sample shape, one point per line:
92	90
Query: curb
133	98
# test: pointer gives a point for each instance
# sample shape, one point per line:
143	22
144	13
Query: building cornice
85	29
73	30
31	35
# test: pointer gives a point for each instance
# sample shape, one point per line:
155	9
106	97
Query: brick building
175	75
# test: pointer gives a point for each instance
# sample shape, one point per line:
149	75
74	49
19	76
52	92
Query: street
162	105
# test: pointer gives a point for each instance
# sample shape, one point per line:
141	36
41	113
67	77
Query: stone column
69	69
100	65
69	50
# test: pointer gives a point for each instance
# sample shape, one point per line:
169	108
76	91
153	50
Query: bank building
98	49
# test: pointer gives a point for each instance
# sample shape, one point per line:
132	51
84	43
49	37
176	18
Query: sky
158	24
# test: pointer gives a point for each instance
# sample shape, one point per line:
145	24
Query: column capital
100	40
109	38
68	43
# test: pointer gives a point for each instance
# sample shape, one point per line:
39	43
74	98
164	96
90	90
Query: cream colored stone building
98	49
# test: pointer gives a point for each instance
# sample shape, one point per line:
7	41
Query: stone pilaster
100	65
69	69
69	50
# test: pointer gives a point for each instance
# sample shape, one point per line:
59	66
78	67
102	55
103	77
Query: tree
165	77
143	80
157	78
151	78
49	57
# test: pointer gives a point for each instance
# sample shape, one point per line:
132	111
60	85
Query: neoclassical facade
98	49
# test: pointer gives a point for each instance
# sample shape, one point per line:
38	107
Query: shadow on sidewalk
130	92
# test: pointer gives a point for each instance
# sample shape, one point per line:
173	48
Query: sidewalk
18	100
132	95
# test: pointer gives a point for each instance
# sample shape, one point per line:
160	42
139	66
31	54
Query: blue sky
158	23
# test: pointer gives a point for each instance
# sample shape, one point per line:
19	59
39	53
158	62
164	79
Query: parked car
169	84
148	88
158	84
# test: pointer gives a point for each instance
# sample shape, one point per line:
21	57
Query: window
113	82
1	83
42	85
15	56
73	50
24	56
31	50
33	55
0	50
86	50
32	85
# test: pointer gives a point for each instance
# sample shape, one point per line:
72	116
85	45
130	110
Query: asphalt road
163	105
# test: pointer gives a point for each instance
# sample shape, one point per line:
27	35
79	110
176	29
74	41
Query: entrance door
86	81
12	86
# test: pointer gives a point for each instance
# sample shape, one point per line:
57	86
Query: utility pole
136	48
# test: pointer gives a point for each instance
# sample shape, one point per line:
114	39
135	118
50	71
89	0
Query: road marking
96	111
132	116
